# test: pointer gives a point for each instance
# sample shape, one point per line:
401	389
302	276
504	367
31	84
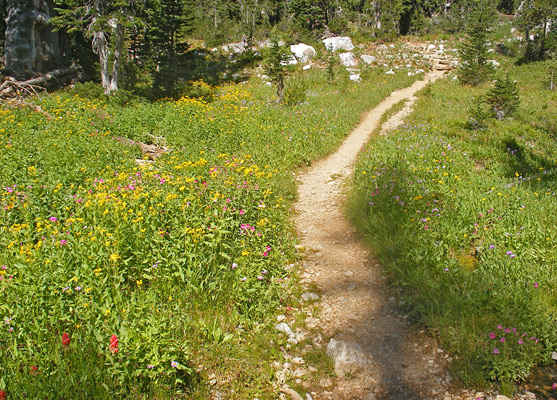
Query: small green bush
295	92
503	98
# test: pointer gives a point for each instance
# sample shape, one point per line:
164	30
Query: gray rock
291	392
369	396
239	47
339	43
325	382
303	52
347	357
310	296
347	59
368	59
284	328
352	286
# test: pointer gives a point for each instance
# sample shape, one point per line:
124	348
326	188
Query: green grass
161	274
461	220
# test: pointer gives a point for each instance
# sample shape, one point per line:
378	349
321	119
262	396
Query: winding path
396	360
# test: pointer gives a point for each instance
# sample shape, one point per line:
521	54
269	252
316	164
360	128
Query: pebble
325	382
352	286
284	328
310	296
349	274
298	361
281	318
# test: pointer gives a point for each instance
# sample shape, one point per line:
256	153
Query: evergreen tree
534	19
275	68
503	98
475	68
104	23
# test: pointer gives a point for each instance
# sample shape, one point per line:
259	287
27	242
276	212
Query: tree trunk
280	90
100	47
31	47
119	33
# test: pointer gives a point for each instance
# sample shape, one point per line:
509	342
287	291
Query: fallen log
11	88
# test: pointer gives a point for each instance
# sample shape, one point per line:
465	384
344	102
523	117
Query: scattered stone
284	328
352	286
281	318
348	274
239	47
339	43
325	382
494	63
291	392
300	372
310	296
306	67
303	52
355	78
390	72
298	361
347	59
368	59
501	397
369	396
308	396
347	357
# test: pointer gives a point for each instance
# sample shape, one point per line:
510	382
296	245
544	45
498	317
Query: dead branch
11	88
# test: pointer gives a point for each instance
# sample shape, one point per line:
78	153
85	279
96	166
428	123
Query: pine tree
503	98
275	68
475	68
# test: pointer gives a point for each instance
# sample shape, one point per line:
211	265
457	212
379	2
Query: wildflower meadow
125	279
463	220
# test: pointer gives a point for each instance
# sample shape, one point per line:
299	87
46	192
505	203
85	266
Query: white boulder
347	59
291	60
368	59
239	47
303	52
339	43
355	78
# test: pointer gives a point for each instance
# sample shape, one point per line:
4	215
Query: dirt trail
357	305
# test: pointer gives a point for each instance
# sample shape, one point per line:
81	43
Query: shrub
503	98
295	92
